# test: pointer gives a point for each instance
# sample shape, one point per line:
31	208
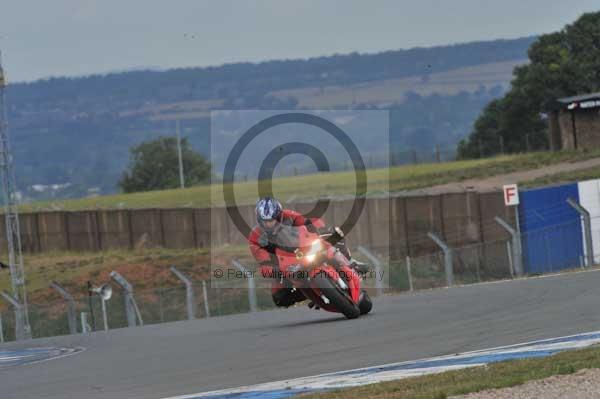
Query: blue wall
552	238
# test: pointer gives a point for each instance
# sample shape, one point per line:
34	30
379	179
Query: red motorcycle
313	265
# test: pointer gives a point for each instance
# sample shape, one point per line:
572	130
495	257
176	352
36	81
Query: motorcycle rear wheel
337	298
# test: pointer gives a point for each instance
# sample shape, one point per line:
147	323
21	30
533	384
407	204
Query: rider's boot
286	297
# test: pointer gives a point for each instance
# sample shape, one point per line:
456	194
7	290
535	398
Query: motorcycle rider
270	216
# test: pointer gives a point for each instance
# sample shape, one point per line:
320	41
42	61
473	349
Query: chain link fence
471	264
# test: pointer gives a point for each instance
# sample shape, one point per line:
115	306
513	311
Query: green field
394	180
460	382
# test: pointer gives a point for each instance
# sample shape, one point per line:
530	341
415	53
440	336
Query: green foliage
562	64
155	166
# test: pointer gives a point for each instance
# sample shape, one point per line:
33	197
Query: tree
563	63
155	166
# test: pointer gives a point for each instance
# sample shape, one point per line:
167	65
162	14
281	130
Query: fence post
189	293
1	330
205	297
251	285
104	315
516	245
85	326
131	308
409	272
510	259
20	332
448	265
71	315
377	263
587	228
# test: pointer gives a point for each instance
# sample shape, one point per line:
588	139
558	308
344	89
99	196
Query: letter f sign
511	195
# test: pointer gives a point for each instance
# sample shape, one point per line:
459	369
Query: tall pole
11	217
181	178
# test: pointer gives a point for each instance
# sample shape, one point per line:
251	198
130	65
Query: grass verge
460	382
395	179
148	267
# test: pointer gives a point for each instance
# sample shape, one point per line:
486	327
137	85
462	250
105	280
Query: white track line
394	371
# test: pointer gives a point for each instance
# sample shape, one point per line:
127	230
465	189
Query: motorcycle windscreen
289	238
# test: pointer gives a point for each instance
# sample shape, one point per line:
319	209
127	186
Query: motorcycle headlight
314	250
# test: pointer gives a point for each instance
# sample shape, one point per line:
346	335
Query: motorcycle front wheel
337	298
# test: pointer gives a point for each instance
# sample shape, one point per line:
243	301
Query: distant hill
76	132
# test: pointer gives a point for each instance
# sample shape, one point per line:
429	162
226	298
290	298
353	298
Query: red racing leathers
263	251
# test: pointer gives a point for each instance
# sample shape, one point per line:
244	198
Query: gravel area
584	384
494	183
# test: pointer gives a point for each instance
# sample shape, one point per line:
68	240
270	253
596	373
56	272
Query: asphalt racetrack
223	352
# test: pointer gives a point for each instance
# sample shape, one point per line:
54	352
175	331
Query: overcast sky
78	37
